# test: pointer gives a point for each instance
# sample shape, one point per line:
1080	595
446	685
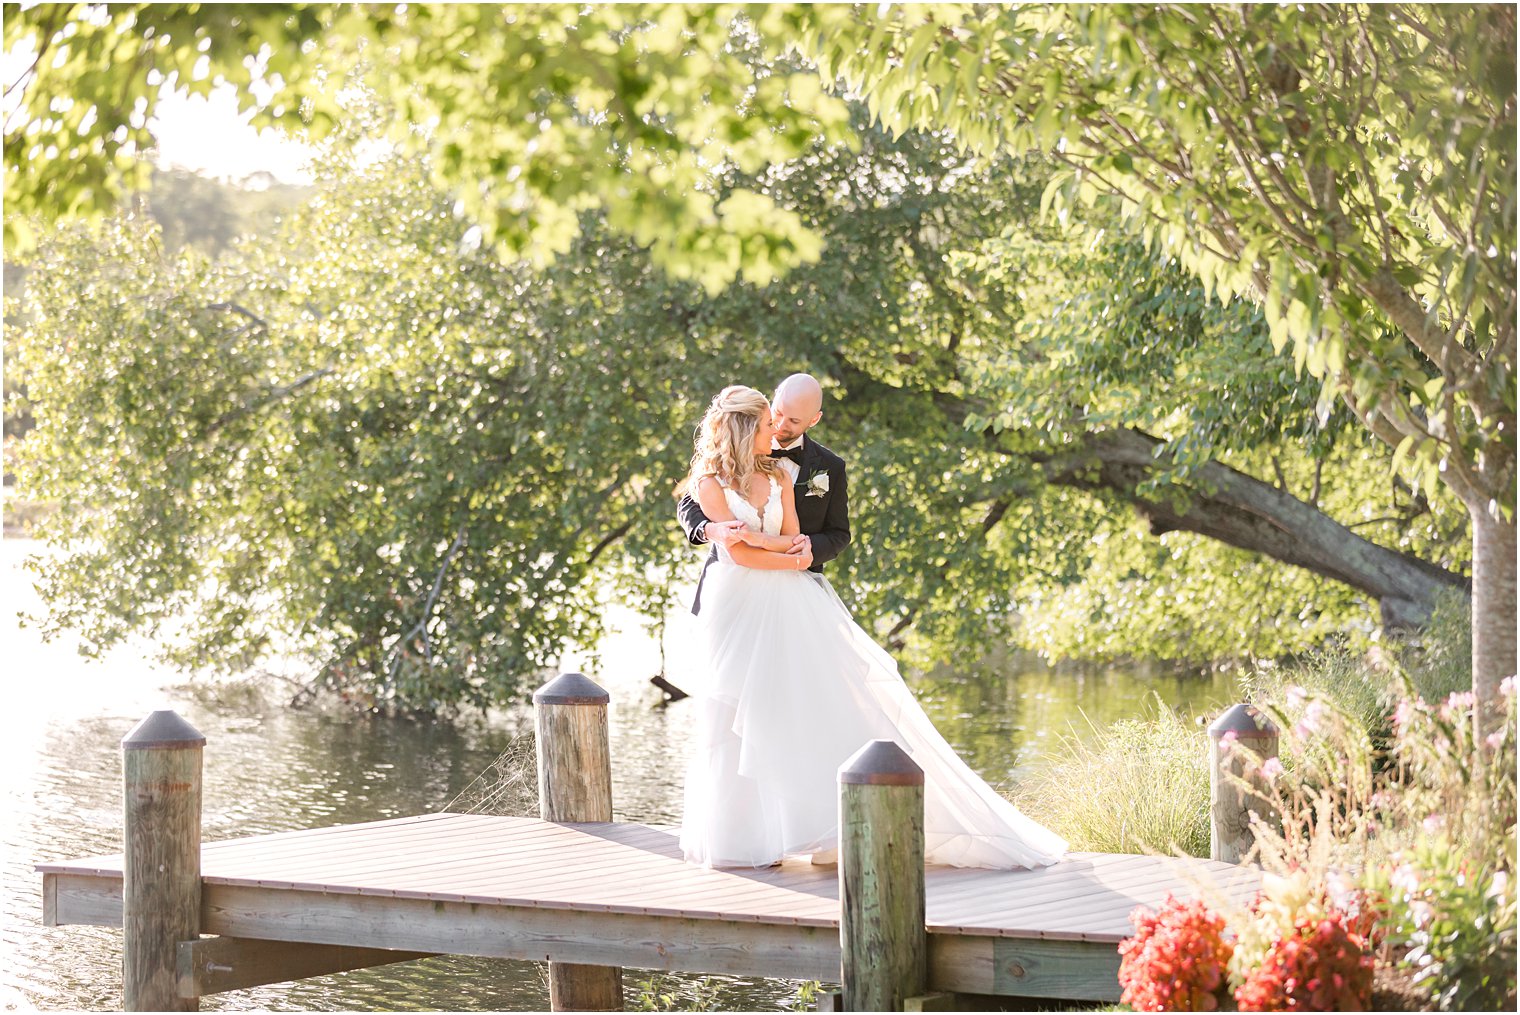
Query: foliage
807	995
666	993
382	446
1450	892
1454	923
1438	663
1350	166
1432	835
345	446
1321	965
209	215
1176	960
1351	169
1146	598
1137	786
1302	185
633	109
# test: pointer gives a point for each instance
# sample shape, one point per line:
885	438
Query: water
270	768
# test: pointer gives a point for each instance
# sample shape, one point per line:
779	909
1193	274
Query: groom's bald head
797	406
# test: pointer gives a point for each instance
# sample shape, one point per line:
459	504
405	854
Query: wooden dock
614	894
591	896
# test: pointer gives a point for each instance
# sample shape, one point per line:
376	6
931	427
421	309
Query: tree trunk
1493	613
1225	504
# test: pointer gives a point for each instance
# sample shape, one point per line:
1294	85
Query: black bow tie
795	454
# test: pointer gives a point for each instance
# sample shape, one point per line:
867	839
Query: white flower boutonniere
818	484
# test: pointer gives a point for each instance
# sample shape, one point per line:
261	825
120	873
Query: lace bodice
767	519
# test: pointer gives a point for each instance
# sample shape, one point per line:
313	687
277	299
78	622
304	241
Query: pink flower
1403	715
1507	687
1295	696
1313	720
1271	769
1227	741
1433	824
1494	739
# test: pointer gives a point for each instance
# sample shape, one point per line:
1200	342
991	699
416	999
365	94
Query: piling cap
1246	722
880	763
163	730
570	689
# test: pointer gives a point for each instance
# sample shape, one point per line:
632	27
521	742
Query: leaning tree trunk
1224	503
1493	612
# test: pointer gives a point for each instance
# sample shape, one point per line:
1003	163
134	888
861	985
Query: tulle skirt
794	688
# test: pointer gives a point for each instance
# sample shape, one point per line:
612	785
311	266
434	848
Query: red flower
1176	961
1321	966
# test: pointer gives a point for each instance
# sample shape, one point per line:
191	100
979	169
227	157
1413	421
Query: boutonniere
817	484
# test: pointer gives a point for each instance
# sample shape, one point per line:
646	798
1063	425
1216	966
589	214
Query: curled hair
725	443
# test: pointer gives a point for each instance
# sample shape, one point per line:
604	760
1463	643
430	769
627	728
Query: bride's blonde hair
725	443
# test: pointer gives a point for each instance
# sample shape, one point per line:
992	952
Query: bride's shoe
825	858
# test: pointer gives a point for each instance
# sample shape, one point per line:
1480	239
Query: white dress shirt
791	467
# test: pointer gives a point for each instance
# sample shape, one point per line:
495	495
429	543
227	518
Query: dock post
161	868
882	934
575	784
1231	806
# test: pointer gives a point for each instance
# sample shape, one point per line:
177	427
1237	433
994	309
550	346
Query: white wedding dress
795	687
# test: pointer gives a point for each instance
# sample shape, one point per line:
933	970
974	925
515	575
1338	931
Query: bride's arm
764	560
715	507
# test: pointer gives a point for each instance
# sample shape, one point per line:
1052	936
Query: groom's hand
723	533
802	546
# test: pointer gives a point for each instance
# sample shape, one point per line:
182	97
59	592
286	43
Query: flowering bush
1284	903
1321	965
1428	824
1177	959
1454	923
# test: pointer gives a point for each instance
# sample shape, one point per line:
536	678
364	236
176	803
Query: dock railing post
882	934
161	870
1230	804
575	784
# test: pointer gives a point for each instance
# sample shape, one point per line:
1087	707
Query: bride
796	687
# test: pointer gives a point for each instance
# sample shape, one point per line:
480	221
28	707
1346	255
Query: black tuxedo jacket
825	518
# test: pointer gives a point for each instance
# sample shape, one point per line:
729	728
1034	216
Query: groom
818	481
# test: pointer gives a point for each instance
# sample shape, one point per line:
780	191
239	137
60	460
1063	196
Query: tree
1351	169
426	467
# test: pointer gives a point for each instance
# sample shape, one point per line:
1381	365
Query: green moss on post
575	784
882	933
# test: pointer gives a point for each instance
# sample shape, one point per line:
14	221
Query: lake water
270	768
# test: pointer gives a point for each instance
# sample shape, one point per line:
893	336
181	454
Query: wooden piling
161	873
1230	804
574	785
882	932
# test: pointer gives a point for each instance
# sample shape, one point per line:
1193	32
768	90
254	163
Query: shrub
1137	786
1437	663
1177	959
1428	827
1322	965
1449	890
